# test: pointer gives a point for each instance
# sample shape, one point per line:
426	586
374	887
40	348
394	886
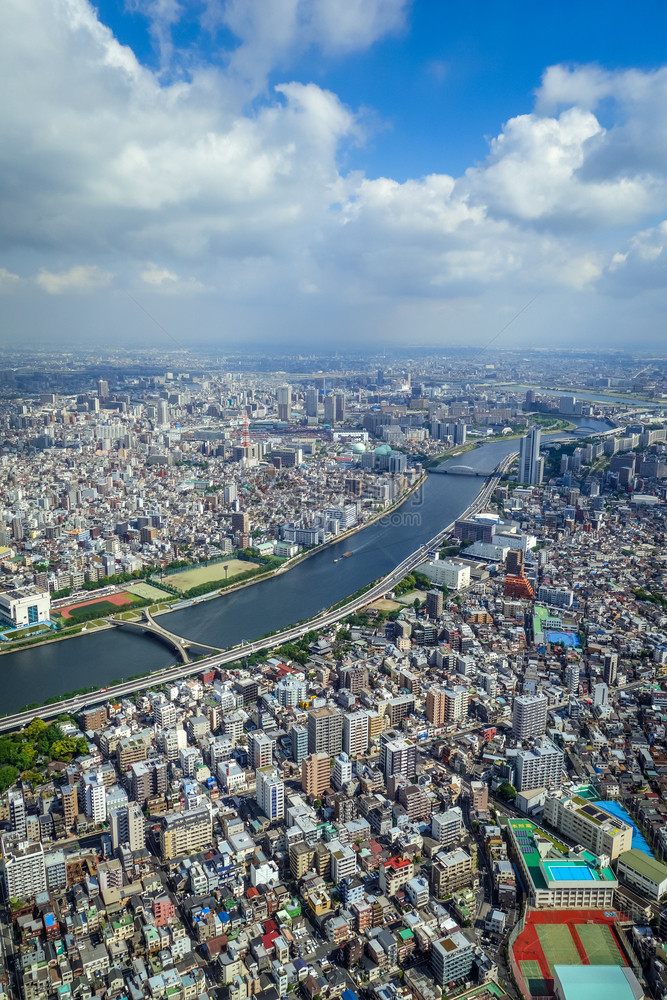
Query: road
321	621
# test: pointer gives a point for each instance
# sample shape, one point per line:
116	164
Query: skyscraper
531	466
285	403
311	402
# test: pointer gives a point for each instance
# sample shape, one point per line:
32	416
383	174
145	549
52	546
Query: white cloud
101	162
80	278
163	280
9	282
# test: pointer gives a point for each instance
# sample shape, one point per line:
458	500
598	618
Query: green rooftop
644	865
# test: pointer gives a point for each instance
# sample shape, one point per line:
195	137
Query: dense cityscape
458	789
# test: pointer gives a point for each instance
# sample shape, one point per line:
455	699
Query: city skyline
232	174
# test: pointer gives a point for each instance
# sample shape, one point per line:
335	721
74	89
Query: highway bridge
323	620
178	643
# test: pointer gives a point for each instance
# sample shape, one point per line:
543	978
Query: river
324	579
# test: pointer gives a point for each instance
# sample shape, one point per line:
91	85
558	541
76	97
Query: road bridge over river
447	469
178	643
220	658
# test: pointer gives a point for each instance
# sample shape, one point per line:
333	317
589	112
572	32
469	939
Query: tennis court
558	945
535	981
600	944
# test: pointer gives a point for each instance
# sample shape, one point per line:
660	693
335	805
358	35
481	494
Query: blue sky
436	88
299	169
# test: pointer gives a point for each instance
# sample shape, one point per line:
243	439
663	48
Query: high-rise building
316	774
285	403
446	826
456	704
529	716
95	797
452	958
436	707
610	669
23	868
400	757
164	713
163	412
260	749
17	817
434	603
70	805
290	690
325	731
342	771
572	677
148	778
299	739
600	695
311	402
185	832
240	522
127	827
531	465
102	388
539	767
355	733
270	792
334	408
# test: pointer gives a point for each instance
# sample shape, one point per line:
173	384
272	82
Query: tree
506	791
8	776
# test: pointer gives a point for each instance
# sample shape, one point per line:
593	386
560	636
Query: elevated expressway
219	659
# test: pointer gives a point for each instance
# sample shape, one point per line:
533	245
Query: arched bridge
147	624
447	469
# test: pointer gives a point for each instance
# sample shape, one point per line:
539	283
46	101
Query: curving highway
320	621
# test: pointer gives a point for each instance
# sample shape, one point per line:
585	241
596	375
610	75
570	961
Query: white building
539	767
24	872
95	797
343	861
24	607
355	734
446	826
127	827
529	716
270	792
447	573
342	771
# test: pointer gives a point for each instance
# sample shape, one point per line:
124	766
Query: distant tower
245	432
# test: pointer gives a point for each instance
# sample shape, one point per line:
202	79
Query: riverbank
435	512
180	604
311	586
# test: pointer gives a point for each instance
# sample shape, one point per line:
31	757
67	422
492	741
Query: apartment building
185	832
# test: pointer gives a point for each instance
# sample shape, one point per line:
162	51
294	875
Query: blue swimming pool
617	810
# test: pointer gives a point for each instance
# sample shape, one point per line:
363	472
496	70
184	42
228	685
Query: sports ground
564	937
106	605
221	571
